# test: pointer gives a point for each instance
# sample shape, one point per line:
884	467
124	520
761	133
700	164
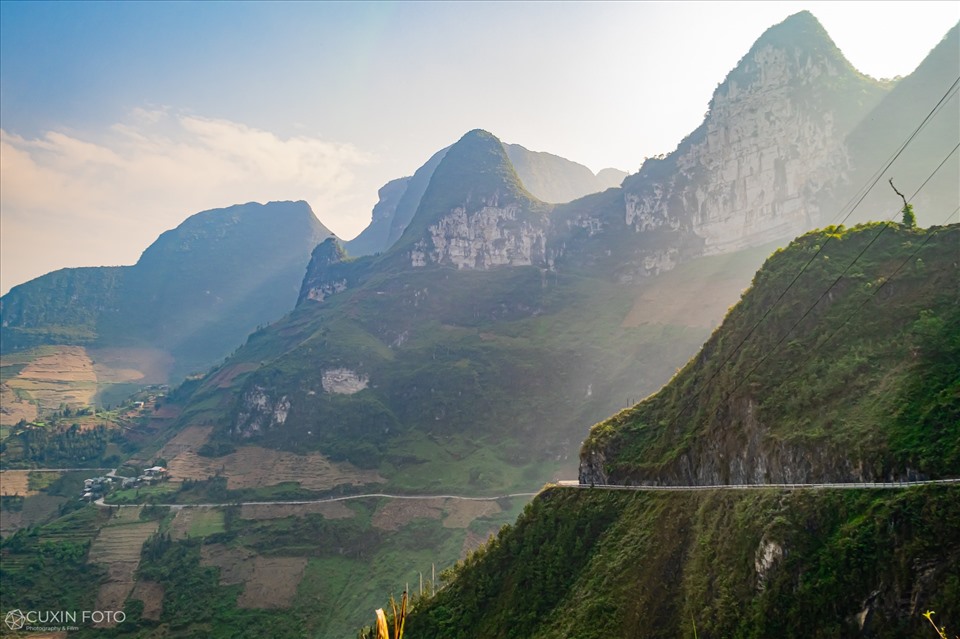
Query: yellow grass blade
382	632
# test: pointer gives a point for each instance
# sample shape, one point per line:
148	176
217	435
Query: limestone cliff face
343	381
322	279
762	167
495	235
260	411
752	172
740	449
475	214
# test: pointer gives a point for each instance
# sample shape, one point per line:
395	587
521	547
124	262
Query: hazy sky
119	120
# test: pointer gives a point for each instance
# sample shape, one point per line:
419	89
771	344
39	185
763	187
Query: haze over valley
262	428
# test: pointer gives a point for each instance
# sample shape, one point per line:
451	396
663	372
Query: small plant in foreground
382	631
928	615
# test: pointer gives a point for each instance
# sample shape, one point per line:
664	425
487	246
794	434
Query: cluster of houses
97	487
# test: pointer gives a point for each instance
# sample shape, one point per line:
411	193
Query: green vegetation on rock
596	564
852	375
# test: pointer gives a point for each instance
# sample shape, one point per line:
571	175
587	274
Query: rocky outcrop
548	177
322	279
770	147
741	450
490	237
592	469
475	214
752	172
259	412
343	381
769	553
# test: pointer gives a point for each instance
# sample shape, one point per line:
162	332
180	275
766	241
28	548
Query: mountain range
502	301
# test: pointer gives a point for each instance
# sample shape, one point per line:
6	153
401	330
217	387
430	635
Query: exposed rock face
490	237
321	281
548	177
475	214
592	469
343	381
740	450
769	554
760	158
259	412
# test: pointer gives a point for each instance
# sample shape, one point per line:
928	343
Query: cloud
73	198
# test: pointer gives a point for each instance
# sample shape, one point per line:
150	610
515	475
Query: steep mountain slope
764	165
852	382
552	178
610	178
196	292
802	564
458	345
376	237
880	399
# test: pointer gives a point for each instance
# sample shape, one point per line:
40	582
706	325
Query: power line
849	316
885	281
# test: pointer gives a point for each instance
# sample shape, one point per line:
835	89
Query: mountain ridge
195	291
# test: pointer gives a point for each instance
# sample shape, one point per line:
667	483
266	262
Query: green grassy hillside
851	375
811	564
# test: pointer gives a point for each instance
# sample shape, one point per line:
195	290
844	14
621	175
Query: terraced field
273	583
196	522
117	548
61	375
330	510
268	582
14	406
41	380
190	438
34	510
255	467
151	594
456	513
16	482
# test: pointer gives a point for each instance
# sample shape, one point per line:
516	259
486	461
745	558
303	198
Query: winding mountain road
842	486
559	484
327	500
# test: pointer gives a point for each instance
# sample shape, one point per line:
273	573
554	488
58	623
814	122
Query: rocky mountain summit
547	177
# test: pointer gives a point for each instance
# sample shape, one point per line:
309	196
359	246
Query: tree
909	218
